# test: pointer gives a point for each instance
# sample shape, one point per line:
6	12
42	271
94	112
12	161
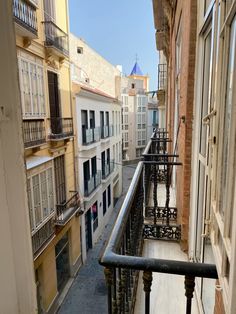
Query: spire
136	69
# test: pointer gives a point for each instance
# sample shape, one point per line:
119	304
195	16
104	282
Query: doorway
88	230
62	262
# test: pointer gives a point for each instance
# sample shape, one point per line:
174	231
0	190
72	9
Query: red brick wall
187	12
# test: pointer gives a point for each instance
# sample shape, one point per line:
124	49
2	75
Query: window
109	196
132	85
80	50
40	197
32	88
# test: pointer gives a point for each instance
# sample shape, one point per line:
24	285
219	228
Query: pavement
88	293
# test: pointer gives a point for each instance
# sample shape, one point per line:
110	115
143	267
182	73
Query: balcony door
86	169
60	182
54	103
49	10
94	166
92	119
203	249
103	163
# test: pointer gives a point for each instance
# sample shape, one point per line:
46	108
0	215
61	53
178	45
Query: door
203	248
60	181
84	123
54	103
88	230
102	123
94	166
86	169
103	163
62	262
104	202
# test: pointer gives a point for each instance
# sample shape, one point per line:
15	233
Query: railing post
189	284
108	276
147	283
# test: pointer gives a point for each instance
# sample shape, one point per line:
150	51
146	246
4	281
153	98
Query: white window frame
30	174
40	110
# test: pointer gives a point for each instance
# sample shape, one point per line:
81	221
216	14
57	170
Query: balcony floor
168	294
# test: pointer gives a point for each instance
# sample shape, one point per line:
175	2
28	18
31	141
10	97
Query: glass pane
201	189
37	202
205	92
227	117
44	194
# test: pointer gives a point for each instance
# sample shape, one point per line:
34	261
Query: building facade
18	291
97	116
44	75
134	114
198	41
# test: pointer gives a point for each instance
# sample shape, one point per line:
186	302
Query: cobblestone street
87	294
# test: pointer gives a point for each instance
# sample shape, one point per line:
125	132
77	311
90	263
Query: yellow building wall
46	262
69	165
61	15
65	87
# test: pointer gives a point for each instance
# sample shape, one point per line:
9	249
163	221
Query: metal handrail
111	258
114	256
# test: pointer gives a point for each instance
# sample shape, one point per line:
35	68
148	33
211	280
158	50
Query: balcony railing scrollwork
34	133
43	235
56	38
61	128
122	256
25	15
66	210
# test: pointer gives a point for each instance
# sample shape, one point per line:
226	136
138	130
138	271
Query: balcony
65	211
56	40
91	184
107	131
25	18
34	133
107	169
61	128
90	136
145	218
42	236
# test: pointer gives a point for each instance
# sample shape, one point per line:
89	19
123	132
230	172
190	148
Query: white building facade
97	115
134	114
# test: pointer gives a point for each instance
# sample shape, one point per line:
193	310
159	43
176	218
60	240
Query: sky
118	30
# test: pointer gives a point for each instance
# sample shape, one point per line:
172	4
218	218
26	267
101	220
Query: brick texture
186	16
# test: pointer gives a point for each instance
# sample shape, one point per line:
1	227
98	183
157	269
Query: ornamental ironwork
164	232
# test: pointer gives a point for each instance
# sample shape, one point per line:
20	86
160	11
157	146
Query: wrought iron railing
42	236
162	76
61	128
25	15
107	169
34	133
90	136
91	184
65	211
55	37
122	256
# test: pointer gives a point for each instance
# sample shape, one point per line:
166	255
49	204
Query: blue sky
118	30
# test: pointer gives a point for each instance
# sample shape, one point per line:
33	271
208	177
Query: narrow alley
87	293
